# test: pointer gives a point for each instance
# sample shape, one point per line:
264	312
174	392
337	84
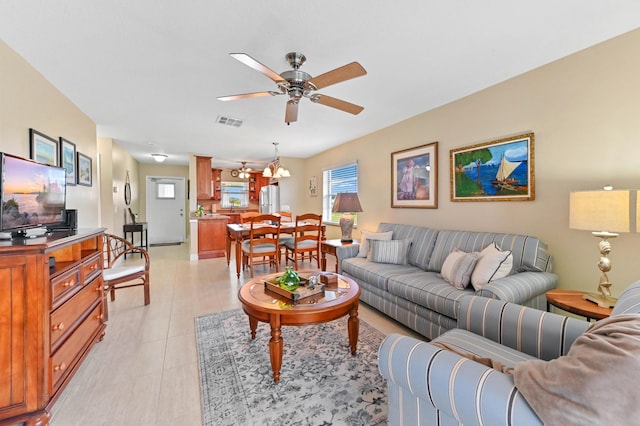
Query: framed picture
500	170
313	187
414	177
84	170
68	159
43	149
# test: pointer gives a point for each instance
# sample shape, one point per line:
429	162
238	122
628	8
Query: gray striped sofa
429	385
415	294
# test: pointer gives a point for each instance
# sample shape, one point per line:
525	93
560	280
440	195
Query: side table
572	301
329	247
132	228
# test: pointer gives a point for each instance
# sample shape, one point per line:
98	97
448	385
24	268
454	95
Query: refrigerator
269	199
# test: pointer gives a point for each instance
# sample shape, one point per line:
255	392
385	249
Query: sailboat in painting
503	179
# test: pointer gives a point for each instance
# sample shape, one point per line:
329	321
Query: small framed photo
84	170
313	187
43	149
414	177
68	160
500	170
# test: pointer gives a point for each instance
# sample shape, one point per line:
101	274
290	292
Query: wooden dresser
50	318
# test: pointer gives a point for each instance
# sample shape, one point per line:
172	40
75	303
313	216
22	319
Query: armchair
431	385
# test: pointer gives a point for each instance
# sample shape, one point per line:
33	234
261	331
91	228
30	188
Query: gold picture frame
414	177
500	170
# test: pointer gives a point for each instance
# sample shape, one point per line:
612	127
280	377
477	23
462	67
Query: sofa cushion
457	268
368	236
422	241
392	251
375	274
529	253
492	264
429	290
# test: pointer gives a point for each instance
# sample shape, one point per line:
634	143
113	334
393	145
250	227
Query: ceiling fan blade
292	112
246	95
338	75
250	62
337	103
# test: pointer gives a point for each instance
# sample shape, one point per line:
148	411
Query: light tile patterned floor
145	371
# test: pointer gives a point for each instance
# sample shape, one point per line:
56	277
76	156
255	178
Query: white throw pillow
458	267
366	235
492	264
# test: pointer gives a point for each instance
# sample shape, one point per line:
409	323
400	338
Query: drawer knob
60	367
58	327
69	283
99	317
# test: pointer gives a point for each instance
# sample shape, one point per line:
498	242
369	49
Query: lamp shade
346	202
600	210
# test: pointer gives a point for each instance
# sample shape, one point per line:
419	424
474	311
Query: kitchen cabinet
212	234
216	179
204	187
50	318
256	182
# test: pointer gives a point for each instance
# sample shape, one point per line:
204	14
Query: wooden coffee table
265	306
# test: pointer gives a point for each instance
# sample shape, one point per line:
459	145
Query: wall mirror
127	190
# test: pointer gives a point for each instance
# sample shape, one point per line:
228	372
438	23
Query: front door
165	209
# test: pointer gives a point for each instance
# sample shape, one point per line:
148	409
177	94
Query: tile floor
145	371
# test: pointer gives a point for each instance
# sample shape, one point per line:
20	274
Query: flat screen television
33	195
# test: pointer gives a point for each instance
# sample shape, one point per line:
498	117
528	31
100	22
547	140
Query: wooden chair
262	246
285	216
118	273
246	217
306	239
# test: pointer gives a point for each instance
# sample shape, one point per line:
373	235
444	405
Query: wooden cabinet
212	234
256	182
203	176
216	179
50	318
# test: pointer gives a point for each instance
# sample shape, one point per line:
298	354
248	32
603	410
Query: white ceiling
148	71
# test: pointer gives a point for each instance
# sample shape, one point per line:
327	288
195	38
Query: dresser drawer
64	285
68	316
91	267
62	362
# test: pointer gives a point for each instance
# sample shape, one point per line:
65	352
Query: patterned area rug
321	383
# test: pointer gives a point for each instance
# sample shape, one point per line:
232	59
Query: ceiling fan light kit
298	84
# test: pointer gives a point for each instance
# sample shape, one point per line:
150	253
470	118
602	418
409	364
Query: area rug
321	383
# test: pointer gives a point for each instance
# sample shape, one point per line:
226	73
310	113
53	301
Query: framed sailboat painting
500	170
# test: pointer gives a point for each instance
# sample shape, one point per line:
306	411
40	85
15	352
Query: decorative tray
299	293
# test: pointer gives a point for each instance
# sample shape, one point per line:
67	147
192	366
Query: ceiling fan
298	84
242	173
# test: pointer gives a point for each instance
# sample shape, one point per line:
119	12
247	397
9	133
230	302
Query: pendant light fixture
275	169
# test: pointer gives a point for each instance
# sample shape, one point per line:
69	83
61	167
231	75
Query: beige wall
583	110
27	100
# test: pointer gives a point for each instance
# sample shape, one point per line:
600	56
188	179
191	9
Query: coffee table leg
275	347
253	325
354	327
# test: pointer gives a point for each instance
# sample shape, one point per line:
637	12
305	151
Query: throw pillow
389	251
458	267
492	264
367	235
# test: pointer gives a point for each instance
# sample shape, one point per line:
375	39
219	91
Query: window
166	191
334	181
234	194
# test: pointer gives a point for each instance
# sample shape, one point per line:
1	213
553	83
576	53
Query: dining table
237	232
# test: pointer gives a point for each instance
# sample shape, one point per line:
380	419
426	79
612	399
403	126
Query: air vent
228	121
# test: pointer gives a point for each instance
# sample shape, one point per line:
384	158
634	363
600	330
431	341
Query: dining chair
286	216
119	273
246	217
262	246
306	239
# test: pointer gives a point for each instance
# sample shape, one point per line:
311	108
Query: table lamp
604	212
346	203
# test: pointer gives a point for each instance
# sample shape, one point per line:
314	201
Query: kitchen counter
208	235
214	216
